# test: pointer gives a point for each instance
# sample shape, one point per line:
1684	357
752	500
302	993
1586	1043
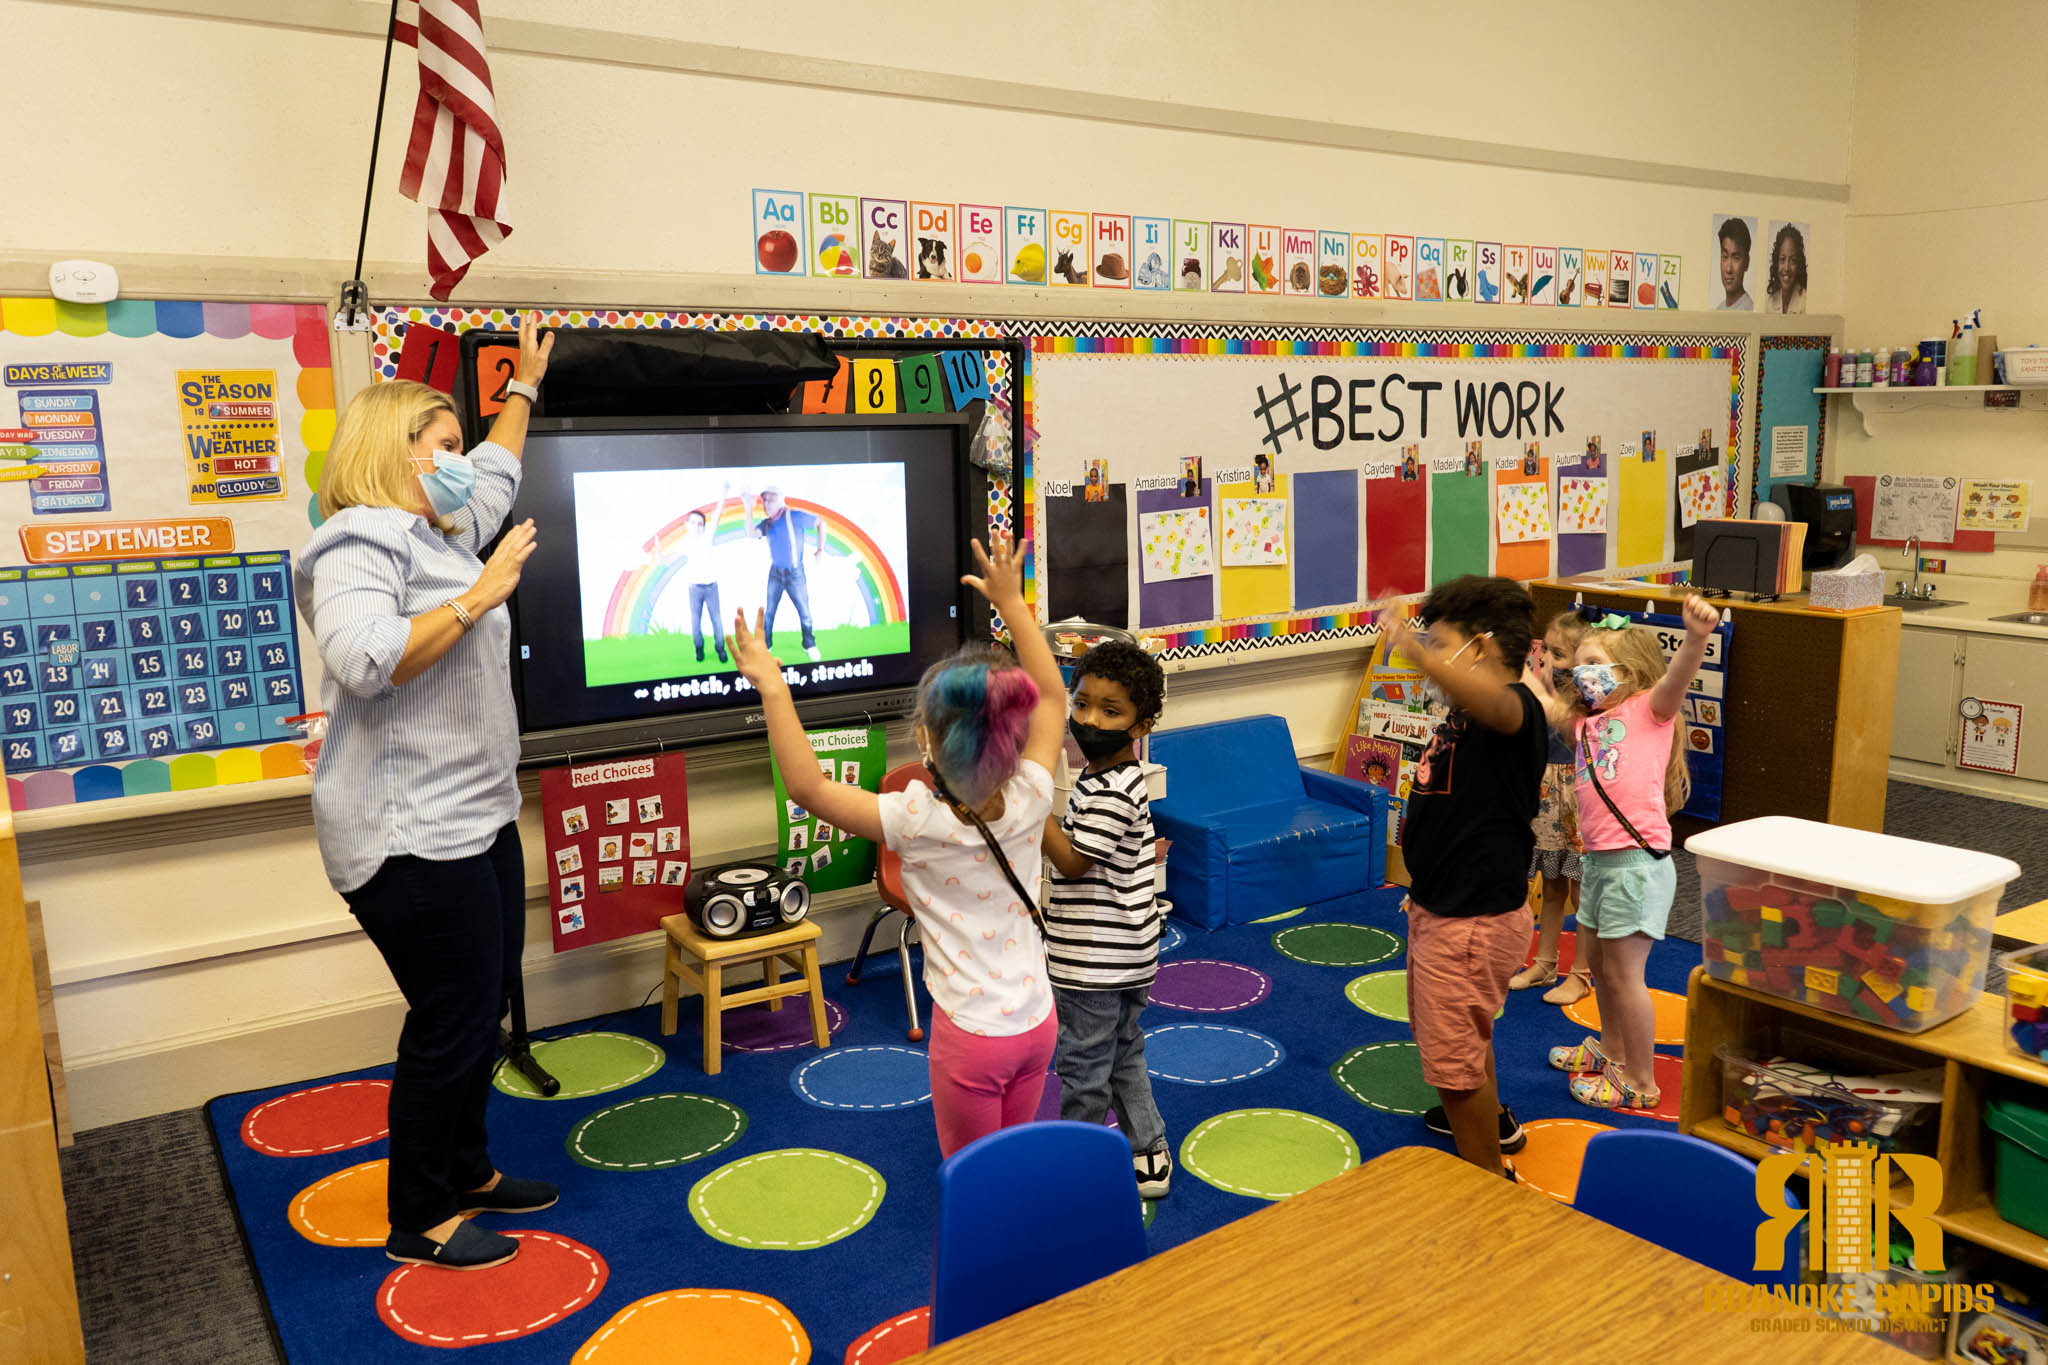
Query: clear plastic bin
1787	1110
1922	1334
1904	1106
2026	1001
1892	931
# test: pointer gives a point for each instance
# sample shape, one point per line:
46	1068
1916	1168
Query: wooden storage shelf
1970	1049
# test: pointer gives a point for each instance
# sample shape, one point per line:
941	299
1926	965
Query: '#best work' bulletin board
1240	488
158	467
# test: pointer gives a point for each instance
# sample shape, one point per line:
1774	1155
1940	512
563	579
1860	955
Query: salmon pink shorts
1458	970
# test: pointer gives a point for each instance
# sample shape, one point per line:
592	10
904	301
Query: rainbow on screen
631	608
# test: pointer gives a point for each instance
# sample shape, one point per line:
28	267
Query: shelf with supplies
1970	1049
1870	402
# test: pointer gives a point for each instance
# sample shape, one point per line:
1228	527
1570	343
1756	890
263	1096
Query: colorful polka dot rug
783	1210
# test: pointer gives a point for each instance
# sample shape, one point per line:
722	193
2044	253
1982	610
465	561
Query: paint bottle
1866	367
2037	595
1831	375
1881	374
1902	367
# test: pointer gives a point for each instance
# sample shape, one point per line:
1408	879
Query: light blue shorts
1626	891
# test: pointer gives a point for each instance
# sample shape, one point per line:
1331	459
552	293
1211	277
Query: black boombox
745	898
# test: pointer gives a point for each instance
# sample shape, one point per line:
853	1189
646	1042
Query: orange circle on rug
899	1338
326	1118
1669	1071
347	1209
549	1279
1670	1016
1557	1148
725	1325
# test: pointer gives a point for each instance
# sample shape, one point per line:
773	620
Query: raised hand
750	653
1700	615
534	350
502	569
1002	570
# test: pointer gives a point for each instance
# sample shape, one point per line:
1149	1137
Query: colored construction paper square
830	395
923	382
1326	538
966	376
430	356
874	386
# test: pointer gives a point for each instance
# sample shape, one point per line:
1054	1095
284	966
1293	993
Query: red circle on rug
1567	948
326	1118
897	1339
1669	1071
549	1279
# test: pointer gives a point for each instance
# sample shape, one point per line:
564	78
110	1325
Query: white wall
198	955
1942	221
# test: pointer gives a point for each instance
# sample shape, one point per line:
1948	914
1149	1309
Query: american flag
455	158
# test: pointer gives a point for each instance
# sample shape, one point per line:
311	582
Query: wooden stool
703	962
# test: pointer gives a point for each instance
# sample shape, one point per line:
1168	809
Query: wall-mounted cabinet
1938	668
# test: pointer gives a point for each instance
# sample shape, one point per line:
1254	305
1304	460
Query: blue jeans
703	596
1102	1057
789	582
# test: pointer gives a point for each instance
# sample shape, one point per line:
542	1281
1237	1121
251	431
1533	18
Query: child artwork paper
1254	531
1702	494
1581	507
1175	545
1522	512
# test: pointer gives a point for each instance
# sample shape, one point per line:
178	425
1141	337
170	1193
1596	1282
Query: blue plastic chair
1027	1213
1686	1195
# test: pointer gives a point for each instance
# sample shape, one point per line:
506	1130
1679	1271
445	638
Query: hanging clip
352	314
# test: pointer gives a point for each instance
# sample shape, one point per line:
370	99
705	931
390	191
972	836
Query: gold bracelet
462	615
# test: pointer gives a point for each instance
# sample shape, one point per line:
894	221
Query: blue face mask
450	483
1596	682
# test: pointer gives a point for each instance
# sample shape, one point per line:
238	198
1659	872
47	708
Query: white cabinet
2010	669
1924	708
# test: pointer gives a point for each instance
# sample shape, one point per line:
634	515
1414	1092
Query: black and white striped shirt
1102	928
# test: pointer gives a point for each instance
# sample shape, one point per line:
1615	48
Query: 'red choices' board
618	846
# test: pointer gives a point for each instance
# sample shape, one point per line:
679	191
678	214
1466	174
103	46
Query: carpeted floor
163	1275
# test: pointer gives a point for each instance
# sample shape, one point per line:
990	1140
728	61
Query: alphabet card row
845	236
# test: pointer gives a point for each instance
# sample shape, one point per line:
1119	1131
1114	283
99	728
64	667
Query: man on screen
697	553
786	531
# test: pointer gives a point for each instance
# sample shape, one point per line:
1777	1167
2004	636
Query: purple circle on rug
1049	1103
1207	985
756	1028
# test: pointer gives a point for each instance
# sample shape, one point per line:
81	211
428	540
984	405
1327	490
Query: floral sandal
1586	1057
1608	1090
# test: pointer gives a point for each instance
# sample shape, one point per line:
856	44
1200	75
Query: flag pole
353	314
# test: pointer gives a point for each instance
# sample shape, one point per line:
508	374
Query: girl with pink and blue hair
989	727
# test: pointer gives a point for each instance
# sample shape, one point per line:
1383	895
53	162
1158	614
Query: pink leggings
982	1084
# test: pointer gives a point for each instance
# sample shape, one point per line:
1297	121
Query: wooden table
2021	928
1414	1256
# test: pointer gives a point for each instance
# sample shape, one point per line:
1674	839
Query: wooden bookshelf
1970	1049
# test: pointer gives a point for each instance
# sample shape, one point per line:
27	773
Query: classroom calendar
148	658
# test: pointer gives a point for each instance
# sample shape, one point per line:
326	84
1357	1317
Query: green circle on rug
1284	914
1267	1153
793	1199
655	1132
586	1064
1386	1077
1337	945
1386	994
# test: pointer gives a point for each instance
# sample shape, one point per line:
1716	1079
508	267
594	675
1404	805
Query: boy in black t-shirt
1467	842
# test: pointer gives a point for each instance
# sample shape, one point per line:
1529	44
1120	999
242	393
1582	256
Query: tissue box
1847	589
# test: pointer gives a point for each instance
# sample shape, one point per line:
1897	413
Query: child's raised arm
857	812
1001	581
1669	693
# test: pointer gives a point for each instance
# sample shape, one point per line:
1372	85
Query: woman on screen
414	798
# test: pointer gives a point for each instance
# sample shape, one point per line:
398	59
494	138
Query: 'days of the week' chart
146	658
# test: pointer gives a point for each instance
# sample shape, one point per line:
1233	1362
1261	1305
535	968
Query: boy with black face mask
1102	928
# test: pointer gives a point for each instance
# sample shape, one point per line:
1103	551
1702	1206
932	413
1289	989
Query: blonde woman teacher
415	799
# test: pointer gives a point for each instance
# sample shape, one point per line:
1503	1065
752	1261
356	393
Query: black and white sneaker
1154	1171
1512	1138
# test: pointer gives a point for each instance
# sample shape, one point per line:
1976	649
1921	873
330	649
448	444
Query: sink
1922	603
2025	618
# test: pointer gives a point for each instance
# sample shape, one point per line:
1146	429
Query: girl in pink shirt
969	837
1630	771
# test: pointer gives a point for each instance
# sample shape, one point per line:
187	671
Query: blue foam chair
1255	833
1027	1213
1686	1195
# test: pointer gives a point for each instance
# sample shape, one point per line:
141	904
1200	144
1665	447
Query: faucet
1913	551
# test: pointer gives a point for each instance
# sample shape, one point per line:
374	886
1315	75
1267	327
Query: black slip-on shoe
1512	1138
512	1196
469	1247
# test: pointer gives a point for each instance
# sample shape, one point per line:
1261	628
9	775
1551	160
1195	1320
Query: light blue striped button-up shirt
428	768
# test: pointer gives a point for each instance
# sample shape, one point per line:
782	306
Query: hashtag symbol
1275	430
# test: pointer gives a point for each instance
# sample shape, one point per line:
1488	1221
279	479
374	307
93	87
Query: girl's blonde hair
1636	649
369	461
1569	626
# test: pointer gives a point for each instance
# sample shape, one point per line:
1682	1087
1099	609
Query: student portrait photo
1734	246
